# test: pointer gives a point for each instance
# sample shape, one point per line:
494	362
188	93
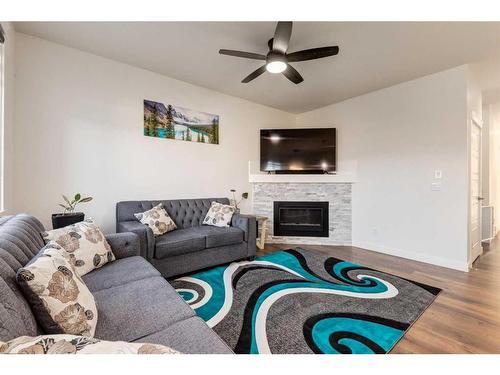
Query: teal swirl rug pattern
296	301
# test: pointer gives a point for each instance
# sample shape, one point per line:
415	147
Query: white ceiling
373	55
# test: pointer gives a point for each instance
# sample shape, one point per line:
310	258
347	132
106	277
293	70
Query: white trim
437	261
476	119
471	254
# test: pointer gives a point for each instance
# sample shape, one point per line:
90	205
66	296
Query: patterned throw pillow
71	344
157	219
59	298
84	245
219	215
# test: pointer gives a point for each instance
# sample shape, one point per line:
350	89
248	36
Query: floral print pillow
59	298
219	215
157	219
84	245
71	344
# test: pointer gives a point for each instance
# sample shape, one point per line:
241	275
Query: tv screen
309	150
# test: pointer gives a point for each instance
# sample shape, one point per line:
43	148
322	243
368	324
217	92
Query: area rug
296	301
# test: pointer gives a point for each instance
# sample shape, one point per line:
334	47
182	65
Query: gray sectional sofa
134	302
192	246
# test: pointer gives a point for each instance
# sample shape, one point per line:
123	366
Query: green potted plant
235	203
69	216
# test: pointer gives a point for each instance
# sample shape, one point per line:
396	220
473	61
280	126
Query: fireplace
303	219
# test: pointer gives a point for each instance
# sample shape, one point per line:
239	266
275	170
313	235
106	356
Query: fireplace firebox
303	219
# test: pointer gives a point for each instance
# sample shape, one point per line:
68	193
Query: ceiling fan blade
313	53
292	74
247	55
254	74
282	36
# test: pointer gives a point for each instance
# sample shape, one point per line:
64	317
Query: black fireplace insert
304	219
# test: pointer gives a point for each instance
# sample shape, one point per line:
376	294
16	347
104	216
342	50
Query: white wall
494	160
9	94
79	128
398	137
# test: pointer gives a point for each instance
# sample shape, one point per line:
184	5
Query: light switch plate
436	186
438	174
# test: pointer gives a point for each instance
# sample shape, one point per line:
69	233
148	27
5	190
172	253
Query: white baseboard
437	261
475	256
303	241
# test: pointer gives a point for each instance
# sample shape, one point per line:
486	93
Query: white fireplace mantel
302	178
255	176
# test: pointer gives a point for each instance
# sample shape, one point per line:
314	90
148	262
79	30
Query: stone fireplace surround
338	194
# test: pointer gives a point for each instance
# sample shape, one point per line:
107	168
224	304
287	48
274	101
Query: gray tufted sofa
192	246
134	302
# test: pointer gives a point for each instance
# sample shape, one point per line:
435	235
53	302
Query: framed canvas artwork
173	122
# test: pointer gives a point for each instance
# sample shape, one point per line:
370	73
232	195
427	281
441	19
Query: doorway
475	190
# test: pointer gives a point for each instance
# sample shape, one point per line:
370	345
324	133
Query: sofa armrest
124	245
248	224
145	233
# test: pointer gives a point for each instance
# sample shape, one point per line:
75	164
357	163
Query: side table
262	231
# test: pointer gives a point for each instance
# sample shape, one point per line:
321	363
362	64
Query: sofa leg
252	258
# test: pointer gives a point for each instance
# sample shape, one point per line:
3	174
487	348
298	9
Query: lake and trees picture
173	122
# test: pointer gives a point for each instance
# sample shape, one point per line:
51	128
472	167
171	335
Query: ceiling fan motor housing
275	56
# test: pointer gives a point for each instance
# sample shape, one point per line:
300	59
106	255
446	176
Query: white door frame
475	250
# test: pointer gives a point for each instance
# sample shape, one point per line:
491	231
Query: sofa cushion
20	240
191	336
16	317
137	309
221	236
119	272
180	241
214	256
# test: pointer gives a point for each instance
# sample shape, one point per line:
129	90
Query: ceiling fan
277	59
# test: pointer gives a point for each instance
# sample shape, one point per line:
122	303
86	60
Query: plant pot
63	220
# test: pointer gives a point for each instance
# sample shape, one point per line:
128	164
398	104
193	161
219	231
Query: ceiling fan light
276	67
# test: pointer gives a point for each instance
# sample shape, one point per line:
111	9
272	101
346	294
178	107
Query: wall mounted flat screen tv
306	151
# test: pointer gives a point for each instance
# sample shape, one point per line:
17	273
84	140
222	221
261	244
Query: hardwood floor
464	318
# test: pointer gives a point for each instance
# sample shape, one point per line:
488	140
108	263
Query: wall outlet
438	174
